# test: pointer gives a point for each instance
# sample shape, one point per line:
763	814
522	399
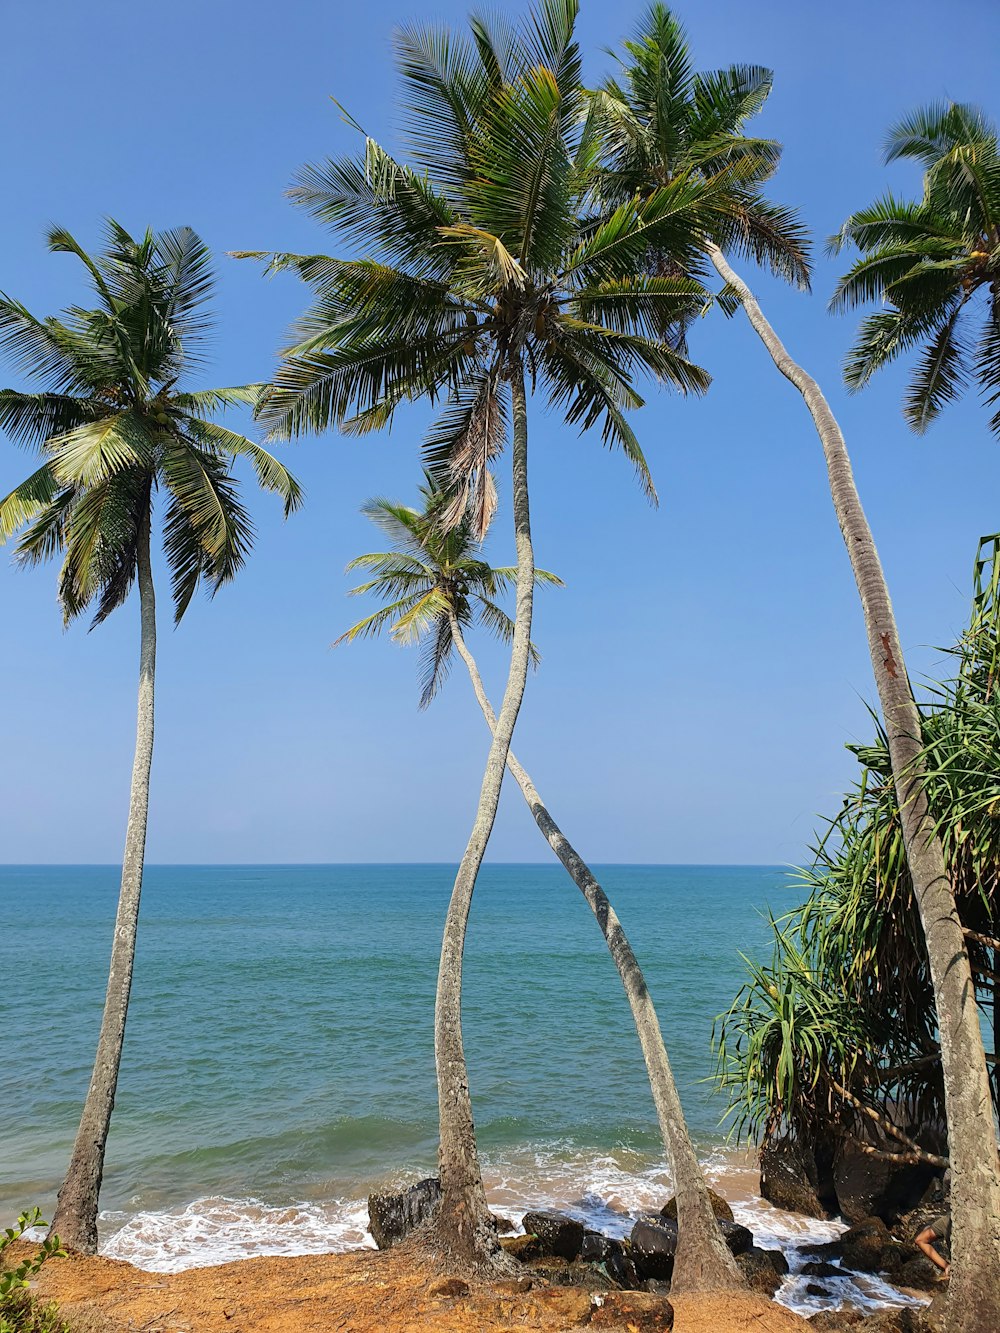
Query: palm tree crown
933	262
114	427
485	254
430	577
661	121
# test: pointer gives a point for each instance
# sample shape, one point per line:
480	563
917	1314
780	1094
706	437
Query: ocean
279	1059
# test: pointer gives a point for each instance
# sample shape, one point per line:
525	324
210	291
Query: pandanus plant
486	272
663	122
436	585
116	428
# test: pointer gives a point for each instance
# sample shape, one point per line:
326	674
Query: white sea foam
218	1230
606	1192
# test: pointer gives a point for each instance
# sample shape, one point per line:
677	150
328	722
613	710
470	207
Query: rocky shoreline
556	1249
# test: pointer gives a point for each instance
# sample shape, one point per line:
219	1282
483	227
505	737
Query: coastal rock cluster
558	1251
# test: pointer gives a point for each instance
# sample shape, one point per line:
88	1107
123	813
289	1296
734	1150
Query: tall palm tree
436	585
485	270
114	427
933	264
665	123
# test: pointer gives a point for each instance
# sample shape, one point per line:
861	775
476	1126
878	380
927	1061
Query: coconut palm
485	270
933	264
664	123
436	585
114	427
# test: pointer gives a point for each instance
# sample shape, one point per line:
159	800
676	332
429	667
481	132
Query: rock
814	1289
905	1320
571	1307
918	1273
719	1207
559	1235
758	1271
564	1273
739	1239
638	1311
504	1225
868	1247
525	1248
837	1321
393	1216
449	1287
869	1186
656	1286
654	1243
516	1286
790	1178
596	1247
816	1268
620	1267
778	1261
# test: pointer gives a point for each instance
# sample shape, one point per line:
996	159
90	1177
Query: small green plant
13	1279
19	1313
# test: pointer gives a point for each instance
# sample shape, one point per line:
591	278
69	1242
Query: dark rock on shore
758	1271
778	1261
868	1247
720	1208
654	1244
918	1273
393	1216
504	1225
790	1178
819	1268
868	1186
738	1238
559	1235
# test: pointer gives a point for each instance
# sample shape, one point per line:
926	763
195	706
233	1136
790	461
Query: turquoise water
280	1035
279	1056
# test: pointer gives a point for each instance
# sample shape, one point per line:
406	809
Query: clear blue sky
706	662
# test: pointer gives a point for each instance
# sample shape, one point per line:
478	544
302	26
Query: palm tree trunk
75	1220
464	1224
974	1295
703	1261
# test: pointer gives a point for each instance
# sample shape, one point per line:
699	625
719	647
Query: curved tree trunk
464	1224
75	1220
974	1295
703	1261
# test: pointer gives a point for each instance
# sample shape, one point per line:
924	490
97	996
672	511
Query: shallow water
279	1057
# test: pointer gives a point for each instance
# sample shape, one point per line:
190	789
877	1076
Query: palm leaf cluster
115	425
841	1023
933	263
432	578
492	249
661	122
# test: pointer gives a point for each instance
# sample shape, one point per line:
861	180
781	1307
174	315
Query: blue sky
705	663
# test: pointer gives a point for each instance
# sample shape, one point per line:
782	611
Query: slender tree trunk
465	1226
974	1295
704	1261
75	1220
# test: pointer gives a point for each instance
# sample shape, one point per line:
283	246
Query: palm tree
933	263
485	268
666	123
114	427
436	585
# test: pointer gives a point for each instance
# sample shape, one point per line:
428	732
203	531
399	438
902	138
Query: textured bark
75	1220
974	1293
703	1261
464	1225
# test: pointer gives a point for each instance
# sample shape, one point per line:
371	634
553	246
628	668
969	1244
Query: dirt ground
363	1291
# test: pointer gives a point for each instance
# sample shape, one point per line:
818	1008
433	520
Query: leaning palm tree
663	123
436	585
485	270
114	427
933	264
